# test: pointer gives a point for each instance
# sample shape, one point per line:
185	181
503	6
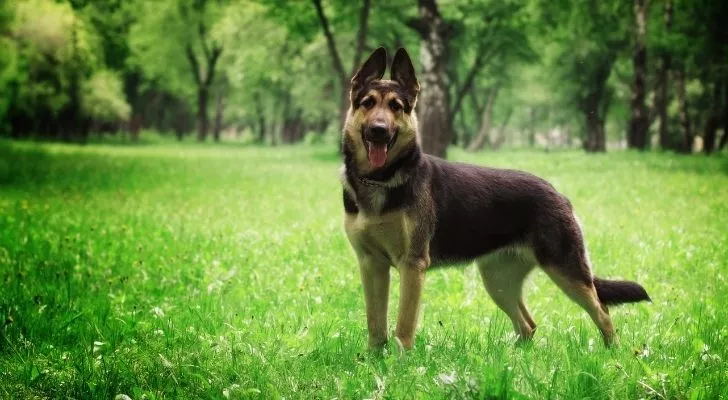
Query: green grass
188	271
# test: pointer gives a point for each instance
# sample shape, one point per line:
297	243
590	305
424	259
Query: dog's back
481	209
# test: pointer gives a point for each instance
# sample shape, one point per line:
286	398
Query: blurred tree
484	133
344	75
276	95
637	134
588	37
103	98
699	53
8	64
283	75
498	30
662	84
433	104
202	66
172	40
55	51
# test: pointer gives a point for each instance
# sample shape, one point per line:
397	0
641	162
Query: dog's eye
395	106
367	103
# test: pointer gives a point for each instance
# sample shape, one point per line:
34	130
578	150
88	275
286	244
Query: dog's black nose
379	132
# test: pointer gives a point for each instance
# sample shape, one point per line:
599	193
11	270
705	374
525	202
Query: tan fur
412	279
375	281
503	273
585	295
384	237
381	241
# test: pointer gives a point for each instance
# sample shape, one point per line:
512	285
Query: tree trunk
569	137
596	138
661	91
260	134
361	35
467	86
435	128
70	115
292	127
500	137
477	112
274	132
341	73
261	128
460	139
595	104
135	125
532	127
711	126
724	138
202	94
204	77
284	125
454	84
297	128
484	133
685	131
219	112
637	137
713	121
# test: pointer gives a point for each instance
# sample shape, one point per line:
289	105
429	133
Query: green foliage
9	75
54	44
171	23
103	98
549	59
585	40
46	28
121	277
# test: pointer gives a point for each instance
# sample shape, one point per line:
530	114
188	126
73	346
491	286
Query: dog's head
381	122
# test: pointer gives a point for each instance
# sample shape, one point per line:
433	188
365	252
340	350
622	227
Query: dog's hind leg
563	256
526	314
503	273
582	291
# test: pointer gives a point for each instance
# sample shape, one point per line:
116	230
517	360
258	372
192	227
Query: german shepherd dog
414	211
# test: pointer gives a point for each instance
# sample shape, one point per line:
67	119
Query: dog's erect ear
404	73
372	69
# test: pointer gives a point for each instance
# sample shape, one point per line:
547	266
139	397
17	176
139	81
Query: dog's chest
384	236
373	199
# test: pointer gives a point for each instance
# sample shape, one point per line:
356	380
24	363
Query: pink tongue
377	154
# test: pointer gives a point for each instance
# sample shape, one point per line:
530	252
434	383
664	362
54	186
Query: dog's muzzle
378	140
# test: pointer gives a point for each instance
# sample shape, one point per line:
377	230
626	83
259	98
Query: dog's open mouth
377	151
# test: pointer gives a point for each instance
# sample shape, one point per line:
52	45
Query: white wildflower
158	312
98	346
165	361
447	379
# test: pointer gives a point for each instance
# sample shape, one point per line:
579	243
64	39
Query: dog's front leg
412	278
375	280
412	273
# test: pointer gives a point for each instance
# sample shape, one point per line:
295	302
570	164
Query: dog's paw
399	346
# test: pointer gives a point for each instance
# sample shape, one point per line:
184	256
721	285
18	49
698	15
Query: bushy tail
618	292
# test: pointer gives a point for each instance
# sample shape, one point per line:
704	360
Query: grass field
188	271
